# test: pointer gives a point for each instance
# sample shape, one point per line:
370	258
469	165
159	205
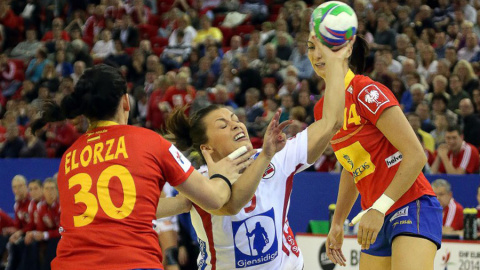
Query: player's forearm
347	195
408	171
172	206
334	101
246	185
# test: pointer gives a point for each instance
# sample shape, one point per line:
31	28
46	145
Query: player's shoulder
361	83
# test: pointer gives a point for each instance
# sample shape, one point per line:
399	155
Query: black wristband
223	178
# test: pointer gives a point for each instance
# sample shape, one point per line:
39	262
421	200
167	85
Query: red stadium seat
130	50
218	20
159	42
158	50
147	31
19	64
227	35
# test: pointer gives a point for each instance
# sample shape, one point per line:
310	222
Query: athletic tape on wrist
382	205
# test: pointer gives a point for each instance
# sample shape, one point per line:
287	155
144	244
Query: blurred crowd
250	55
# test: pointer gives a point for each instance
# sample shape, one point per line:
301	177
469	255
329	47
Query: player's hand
329	56
275	139
228	167
15	236
38	235
368	228
182	256
334	245
28	238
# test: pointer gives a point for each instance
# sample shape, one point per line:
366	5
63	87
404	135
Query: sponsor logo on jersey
372	98
394	159
180	158
400	213
269	172
356	160
402	222
255	240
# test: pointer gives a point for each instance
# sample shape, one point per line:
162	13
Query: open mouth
320	65
239	136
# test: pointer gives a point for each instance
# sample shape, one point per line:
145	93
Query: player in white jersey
251	231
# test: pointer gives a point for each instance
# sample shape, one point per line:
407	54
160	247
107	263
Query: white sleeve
293	157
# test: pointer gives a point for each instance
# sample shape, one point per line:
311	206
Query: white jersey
259	236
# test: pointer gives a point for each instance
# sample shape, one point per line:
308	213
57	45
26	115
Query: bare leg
369	262
412	253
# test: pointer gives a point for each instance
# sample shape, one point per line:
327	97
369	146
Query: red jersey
361	147
179	98
22	218
467	159
49	36
5	220
109	183
32	213
453	215
154	115
48	219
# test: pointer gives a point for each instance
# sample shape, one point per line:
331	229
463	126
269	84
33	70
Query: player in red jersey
110	179
382	160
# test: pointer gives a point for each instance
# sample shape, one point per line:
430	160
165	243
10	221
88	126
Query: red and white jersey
259	236
22	218
453	215
467	159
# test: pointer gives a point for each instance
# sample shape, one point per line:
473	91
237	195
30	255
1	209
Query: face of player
19	189
443	195
35	191
315	55
225	133
50	192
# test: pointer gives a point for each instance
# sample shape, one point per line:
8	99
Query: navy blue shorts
419	218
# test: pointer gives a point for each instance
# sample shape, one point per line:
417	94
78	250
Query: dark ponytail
360	52
189	132
97	95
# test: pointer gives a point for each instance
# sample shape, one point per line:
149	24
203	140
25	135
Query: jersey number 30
86	197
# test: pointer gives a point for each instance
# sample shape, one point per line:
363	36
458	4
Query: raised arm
321	132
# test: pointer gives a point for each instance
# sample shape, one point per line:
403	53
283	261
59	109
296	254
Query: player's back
109	183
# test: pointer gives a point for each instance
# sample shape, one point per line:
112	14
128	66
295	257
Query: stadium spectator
33	146
384	37
467	76
441	125
471	48
115	10
22	219
418	92
139	12
271	65
439	106
27	49
13	143
440	44
440	84
78	69
476	100
254	109
416	124
458	93
126	32
222	97
451	56
180	94
456	156
35	68
59	136
207	30
452	210
63	68
470	121
57	29
428	64
103	47
47	224
423	111
327	162
183	24
235	50
94	24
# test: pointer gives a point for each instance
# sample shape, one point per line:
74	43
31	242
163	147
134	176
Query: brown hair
189	132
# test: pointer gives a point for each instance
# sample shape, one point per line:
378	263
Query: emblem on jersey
269	172
255	240
372	98
355	159
180	158
202	260
350	89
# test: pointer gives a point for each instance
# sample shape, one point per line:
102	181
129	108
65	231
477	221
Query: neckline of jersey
349	78
102	123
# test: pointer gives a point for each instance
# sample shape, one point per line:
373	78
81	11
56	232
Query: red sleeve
88	30
457	223
54	233
372	100
65	36
31	212
318	110
473	162
176	168
5	220
48	36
